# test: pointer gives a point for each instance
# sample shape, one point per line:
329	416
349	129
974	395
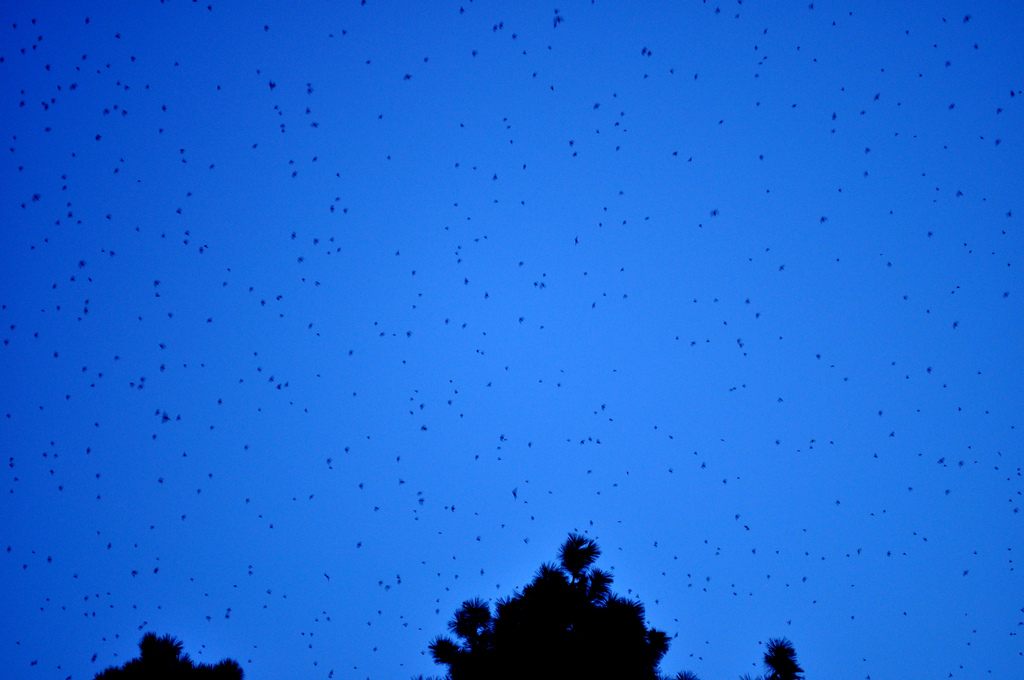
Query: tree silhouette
160	658
567	623
780	660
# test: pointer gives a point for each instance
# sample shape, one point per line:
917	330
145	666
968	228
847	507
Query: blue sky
293	298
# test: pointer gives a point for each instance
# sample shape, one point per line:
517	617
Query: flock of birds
315	322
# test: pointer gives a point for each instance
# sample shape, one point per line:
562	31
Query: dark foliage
568	624
160	658
780	661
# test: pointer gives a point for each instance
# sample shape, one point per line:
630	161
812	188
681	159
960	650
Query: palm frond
577	553
472	618
599	585
444	650
780	659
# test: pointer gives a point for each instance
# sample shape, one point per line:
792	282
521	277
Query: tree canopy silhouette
568	624
160	658
780	660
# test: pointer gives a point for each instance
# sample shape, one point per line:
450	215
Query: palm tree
598	585
161	658
781	660
577	554
161	652
472	623
685	675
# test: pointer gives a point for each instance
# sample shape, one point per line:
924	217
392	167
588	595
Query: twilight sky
320	318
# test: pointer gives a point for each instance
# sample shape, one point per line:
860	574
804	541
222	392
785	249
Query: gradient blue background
732	288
